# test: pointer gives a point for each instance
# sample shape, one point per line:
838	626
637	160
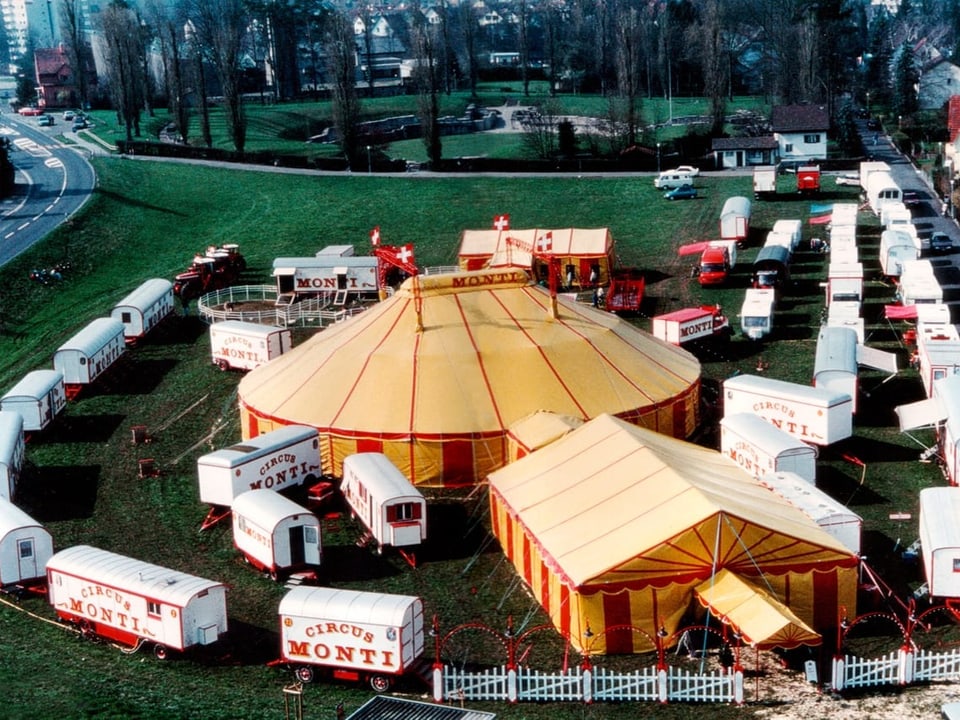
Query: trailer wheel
304	674
160	652
223	365
379	683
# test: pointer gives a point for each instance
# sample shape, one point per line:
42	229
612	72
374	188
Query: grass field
147	219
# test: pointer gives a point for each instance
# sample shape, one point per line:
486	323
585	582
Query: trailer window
956	564
26	548
403	511
153	608
309	535
125	317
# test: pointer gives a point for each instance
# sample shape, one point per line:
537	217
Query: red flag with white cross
501	222
375	236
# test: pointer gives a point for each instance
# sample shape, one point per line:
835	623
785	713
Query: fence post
906	658
662	685
438	682
587	684
836	680
738	686
512	684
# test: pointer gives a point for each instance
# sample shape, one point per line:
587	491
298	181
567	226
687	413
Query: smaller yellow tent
762	620
614	526
585	255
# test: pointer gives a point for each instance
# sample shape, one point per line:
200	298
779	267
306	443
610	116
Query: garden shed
614	525
434	376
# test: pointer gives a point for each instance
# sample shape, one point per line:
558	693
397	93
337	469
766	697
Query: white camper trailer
277	460
835	362
844	215
353	635
89	353
239	345
791	227
25	547
919	289
131	601
946	393
275	534
846	313
940	540
938	356
144	308
12	451
764	181
843	247
844	282
388	505
896	248
735	219
39	397
760	448
298	277
882	189
834	517
814	415
894	214
756	313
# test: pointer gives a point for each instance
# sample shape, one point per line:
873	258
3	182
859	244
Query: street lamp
658	158
369	164
899	122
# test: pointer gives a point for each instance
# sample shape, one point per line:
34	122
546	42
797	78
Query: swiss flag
545	242
501	222
405	254
375	236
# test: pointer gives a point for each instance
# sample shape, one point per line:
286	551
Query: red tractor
217	269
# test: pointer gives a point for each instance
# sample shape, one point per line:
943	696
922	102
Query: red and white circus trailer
246	345
299	277
353	635
131	601
39	397
814	415
278	460
89	353
275	534
25	548
12	451
835	362
389	506
940	540
761	449
144	308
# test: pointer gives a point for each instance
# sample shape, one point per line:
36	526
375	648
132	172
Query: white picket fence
588	685
900	667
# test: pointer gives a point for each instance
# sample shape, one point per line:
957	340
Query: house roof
799	118
51	61
766	142
953	117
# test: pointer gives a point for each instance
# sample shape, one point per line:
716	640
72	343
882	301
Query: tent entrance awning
921	414
762	620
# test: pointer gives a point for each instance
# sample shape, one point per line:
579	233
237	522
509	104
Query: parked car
684	192
940	242
852	179
911	198
79	124
30	111
689	169
68	115
45	120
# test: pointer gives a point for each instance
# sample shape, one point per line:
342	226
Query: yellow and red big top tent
614	526
434	375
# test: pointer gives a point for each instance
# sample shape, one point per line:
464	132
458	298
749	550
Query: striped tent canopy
435	375
614	526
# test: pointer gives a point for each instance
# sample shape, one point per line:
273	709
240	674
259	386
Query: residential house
800	131
736	152
55	79
938	82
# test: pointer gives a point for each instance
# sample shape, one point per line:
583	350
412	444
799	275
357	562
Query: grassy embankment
147	220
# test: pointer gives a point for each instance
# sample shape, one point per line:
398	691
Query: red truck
714	265
808	179
682	326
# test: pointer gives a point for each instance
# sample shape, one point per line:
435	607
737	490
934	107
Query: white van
670	179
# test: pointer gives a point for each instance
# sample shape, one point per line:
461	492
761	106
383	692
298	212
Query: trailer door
27	558
297	554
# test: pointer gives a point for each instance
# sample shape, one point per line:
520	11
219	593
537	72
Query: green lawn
147	219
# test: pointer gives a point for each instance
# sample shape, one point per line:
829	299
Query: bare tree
220	26
628	59
469	27
121	35
75	46
342	70
706	39
168	24
426	75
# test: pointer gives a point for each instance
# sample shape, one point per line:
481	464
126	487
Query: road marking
7	130
29	146
53	162
24	225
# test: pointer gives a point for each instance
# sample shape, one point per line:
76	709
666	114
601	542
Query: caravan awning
900	312
921	414
762	620
877	359
284	271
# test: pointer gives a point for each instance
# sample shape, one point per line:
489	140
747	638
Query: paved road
53	181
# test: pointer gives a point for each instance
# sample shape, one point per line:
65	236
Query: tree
342	70
628	64
168	24
468	25
123	53
707	38
904	77
426	76
220	26
78	52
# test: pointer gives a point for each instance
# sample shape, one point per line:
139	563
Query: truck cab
714	266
